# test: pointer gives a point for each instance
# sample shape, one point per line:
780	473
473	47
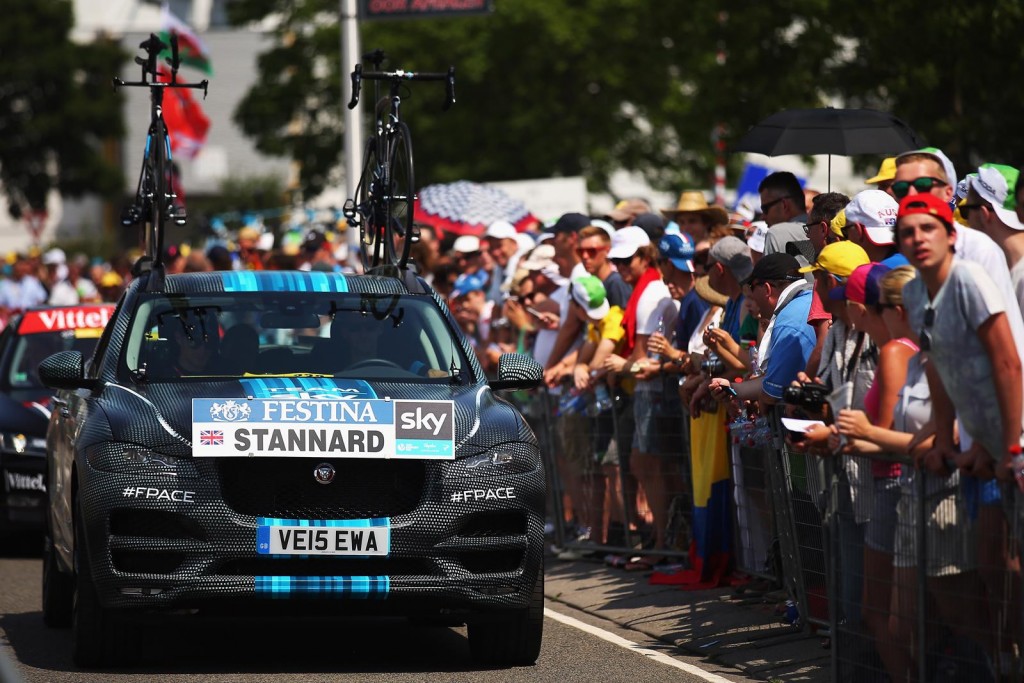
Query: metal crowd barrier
596	506
916	577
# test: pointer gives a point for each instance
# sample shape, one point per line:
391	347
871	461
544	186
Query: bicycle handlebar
153	47
396	77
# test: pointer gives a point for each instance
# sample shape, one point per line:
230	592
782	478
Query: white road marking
659	657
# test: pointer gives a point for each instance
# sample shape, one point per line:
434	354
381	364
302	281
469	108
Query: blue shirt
792	341
731	318
691	311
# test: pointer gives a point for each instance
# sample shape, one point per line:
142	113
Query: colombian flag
711	547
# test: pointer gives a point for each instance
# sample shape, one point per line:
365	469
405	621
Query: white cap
54	257
501	230
993	187
758	237
265	242
604	225
525	241
467	244
626	241
876	211
939	156
542	256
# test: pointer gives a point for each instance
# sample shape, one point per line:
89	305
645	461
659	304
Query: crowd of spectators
889	321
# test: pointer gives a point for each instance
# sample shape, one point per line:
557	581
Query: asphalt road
381	652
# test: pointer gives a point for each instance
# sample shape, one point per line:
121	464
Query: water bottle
602	399
661	331
572	401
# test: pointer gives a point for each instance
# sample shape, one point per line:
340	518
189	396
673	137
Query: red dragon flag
191	50
186	121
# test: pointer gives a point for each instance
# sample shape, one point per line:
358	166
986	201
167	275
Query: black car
25	403
268	443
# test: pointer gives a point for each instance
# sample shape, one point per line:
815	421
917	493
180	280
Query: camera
712	364
812	395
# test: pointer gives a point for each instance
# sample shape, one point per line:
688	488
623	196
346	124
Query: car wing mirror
65	370
517	371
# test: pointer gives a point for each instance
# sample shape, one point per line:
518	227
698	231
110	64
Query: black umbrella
844	132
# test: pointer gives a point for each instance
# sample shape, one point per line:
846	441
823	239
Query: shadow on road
281	646
22	545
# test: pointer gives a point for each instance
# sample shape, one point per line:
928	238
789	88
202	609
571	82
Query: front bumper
457	545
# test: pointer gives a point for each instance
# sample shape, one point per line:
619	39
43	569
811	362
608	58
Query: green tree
952	75
547	87
57	106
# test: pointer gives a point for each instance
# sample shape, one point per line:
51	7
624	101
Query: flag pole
353	136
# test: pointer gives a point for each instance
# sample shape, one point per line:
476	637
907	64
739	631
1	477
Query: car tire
514	640
98	638
58	589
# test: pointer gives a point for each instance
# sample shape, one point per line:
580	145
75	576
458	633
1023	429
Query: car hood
25	412
160	415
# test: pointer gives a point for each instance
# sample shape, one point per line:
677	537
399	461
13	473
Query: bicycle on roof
383	206
155	201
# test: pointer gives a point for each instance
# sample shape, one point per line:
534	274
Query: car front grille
286	488
327	566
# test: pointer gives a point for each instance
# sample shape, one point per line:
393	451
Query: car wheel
58	589
514	640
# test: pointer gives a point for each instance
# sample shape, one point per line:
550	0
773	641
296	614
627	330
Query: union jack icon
211	437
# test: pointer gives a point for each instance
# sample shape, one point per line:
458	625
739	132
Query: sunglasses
901	188
622	261
766	207
965	209
590	252
468	255
926	336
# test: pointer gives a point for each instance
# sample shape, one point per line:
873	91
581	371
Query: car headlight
133	459
496	462
20	443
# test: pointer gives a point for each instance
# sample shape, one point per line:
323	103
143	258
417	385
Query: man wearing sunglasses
989	207
929	171
783	209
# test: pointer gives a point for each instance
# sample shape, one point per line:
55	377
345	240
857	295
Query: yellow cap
887	171
838	223
840	259
111	279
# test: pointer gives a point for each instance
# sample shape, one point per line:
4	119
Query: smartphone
534	311
729	390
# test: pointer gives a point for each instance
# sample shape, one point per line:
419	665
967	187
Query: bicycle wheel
401	196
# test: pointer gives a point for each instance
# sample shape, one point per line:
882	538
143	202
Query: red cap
927	204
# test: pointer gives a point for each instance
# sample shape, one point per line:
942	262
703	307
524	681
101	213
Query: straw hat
708	293
693	201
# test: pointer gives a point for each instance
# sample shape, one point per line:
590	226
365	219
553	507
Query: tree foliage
57	107
551	87
953	74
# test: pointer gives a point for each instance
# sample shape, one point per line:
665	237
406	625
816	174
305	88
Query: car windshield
364	336
31	349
